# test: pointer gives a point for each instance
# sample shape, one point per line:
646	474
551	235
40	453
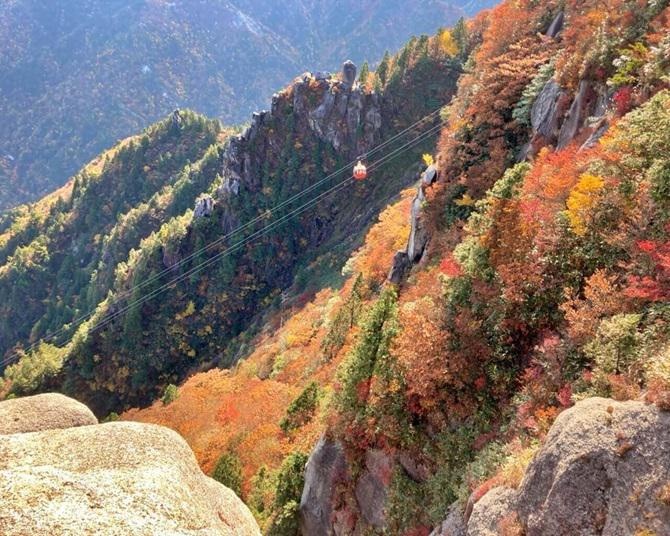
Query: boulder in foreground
604	469
43	412
118	478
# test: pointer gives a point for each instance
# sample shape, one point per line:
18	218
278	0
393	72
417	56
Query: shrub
658	378
285	521
170	394
344	320
628	65
34	368
228	471
261	496
302	409
615	350
377	331
290	481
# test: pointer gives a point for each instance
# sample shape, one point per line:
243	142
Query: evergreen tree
377	332
383	69
290	482
460	35
228	471
364	74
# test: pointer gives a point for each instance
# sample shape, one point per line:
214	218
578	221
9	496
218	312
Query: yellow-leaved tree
582	199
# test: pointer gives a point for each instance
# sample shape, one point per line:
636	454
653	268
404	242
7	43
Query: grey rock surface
556	25
418	237
372	487
453	525
349	73
204	206
326	465
43	412
604	469
543	114
581	108
429	176
399	268
490	510
112	479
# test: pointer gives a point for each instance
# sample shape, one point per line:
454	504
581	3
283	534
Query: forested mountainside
448	376
77	75
484	309
121	231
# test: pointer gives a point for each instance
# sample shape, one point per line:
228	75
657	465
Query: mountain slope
55	262
315	126
76	76
543	281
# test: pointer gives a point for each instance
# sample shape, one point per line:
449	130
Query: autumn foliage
544	281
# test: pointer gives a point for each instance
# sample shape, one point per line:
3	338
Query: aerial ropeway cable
250	238
357	174
77	321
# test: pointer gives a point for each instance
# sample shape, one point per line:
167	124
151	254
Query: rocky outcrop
337	112
599	128
349	73
557	119
341	500
204	206
583	105
415	468
418	236
453	525
556	25
544	114
399	268
604	469
326	466
109	479
429	176
43	412
490	511
372	487
177	120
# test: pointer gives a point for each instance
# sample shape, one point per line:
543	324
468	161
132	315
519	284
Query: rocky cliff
314	127
107	479
603	469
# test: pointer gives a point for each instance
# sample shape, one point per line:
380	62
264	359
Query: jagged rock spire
349	73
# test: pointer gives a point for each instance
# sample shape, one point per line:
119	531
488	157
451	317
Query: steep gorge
314	127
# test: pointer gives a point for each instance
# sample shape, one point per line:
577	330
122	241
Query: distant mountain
77	75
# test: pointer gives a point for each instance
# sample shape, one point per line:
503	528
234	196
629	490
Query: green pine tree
383	69
364	74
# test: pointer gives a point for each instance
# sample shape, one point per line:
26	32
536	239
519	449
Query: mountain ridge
314	127
76	77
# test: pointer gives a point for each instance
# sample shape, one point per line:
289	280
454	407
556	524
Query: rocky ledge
108	479
604	469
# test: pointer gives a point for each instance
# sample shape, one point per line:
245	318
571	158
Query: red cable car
360	171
